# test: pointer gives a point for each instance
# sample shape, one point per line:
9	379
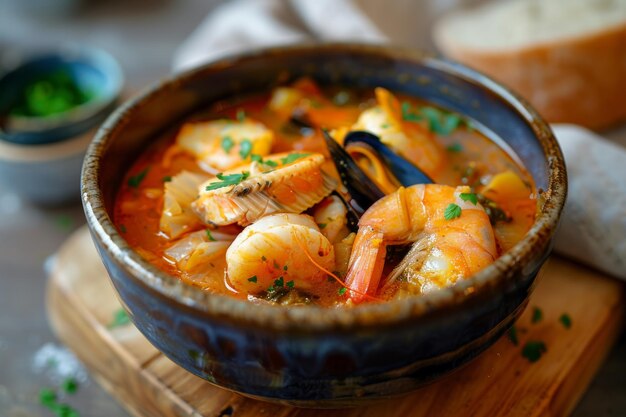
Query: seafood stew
248	199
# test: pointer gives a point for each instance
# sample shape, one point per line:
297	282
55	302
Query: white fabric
593	229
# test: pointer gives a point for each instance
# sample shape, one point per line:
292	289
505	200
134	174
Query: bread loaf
567	57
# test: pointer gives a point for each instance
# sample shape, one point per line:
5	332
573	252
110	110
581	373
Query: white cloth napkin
593	229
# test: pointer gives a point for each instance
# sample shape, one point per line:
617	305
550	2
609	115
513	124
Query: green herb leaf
241	115
293	157
70	385
408	114
263	258
342	290
513	335
134	181
322	225
227	144
256	158
471	197
285	268
279	282
209	236
290	284
167	178
271	163
276	265
455	148
120	318
245	147
47	397
227	180
537	315
566	320
440	122
252	279
452	211
533	350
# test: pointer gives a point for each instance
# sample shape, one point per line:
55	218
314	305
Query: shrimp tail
366	264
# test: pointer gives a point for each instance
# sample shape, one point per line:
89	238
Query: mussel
363	190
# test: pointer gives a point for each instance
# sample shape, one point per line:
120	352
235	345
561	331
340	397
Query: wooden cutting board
500	382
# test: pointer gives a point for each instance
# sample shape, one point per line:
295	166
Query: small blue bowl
93	70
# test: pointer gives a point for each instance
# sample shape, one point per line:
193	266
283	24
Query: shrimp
223	144
291	183
272	249
411	140
443	251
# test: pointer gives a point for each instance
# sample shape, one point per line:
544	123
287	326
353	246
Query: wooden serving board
500	382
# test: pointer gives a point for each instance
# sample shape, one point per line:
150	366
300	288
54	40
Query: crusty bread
567	57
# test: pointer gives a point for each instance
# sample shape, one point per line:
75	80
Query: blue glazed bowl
91	69
309	356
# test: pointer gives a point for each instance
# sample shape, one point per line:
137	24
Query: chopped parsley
209	236
533	350
471	197
241	115
342	290
252	279
293	157
513	335
440	122
537	315
135	180
290	284
227	143
263	258
47	397
455	148
120	318
322	225
167	178
452	211
566	320
70	385
276	265
245	147
227	180
285	268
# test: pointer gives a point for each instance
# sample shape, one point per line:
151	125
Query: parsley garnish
290	284
47	397
279	282
342	290
209	236
292	157
241	115
513	335
276	265
120	318
452	211
227	180
455	148
252	279
566	320
471	197
263	258
533	350
285	268
537	315
256	158
70	385
167	178
439	121
245	147
322	225
227	144
134	181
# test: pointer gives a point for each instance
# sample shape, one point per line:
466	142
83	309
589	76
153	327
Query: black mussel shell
406	173
362	189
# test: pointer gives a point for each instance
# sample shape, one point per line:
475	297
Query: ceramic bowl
91	69
309	356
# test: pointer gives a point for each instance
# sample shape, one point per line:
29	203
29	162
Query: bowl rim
535	243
